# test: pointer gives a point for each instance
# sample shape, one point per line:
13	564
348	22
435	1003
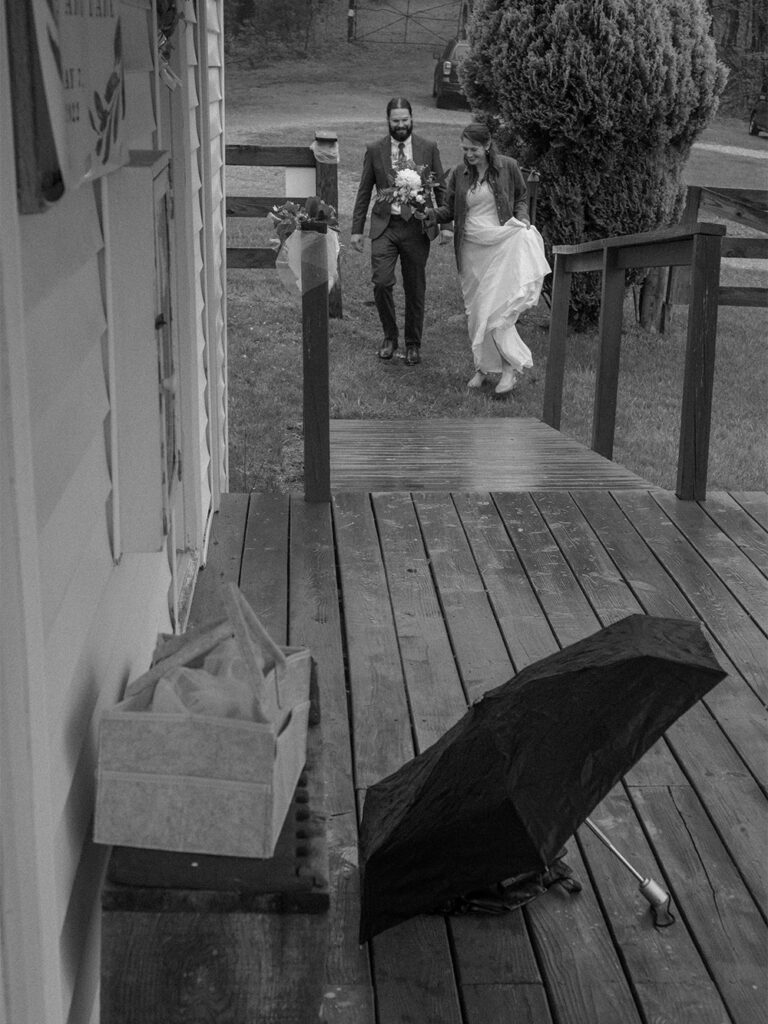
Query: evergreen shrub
604	98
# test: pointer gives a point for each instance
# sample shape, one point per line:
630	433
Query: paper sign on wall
81	54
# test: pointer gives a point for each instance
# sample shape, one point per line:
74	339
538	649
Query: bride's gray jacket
509	191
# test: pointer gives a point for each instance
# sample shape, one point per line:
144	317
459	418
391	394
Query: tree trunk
653	295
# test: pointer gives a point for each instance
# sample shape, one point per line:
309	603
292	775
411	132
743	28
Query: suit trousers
405	240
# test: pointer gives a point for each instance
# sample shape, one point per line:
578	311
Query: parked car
446	87
758	117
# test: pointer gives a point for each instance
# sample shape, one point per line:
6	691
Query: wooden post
314	308
607	373
558	329
532	183
351	33
678	280
699	375
327	185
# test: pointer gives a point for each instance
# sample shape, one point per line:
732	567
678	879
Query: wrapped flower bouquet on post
291	222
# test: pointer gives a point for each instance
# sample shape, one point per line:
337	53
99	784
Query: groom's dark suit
394	236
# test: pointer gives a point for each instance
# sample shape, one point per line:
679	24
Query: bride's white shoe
506	382
477	381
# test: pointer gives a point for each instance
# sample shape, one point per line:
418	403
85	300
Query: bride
499	255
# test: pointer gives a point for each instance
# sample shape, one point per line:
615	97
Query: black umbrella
499	794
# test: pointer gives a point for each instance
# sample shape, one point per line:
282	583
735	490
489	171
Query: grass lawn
264	355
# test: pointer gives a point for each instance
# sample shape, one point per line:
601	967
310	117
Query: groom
395	232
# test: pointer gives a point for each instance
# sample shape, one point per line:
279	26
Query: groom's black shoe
387	349
412	356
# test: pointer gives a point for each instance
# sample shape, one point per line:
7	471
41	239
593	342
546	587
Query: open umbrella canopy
500	793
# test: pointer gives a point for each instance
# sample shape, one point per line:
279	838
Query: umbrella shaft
604	839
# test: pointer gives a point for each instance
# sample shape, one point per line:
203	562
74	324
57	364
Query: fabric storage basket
199	783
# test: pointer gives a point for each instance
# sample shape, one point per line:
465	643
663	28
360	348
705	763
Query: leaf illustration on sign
109	109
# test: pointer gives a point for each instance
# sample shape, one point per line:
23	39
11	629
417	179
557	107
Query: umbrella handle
606	841
657	897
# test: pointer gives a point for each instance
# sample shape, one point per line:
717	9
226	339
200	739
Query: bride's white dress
502	270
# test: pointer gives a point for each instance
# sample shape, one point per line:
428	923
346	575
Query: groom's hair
399	103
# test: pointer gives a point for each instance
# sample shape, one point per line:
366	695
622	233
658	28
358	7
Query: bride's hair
479	135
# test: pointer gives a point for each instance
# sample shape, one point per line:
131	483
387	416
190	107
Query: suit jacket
377	171
509	190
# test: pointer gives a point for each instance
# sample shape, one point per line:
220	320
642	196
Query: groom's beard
401	134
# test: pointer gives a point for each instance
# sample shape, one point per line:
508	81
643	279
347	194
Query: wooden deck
492	453
413	604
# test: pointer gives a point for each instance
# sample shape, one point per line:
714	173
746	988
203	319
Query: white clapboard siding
64	430
29	951
77	521
107	656
210	43
74	222
180	112
132	611
62	329
82	617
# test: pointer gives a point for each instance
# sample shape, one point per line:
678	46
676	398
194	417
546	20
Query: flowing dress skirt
502	270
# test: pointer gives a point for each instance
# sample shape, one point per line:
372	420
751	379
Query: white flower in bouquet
408	179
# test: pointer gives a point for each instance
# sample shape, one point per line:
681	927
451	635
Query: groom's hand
357	242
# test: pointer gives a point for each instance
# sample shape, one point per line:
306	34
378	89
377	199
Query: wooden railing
325	185
696	246
742	206
317	303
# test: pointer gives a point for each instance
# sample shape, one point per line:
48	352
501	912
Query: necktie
401	152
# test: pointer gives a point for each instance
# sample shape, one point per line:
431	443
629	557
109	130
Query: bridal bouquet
411	186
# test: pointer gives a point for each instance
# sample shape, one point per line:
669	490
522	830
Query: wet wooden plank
580	554
435	696
264	563
732	796
483	454
175	967
222	565
379	711
413	967
477	644
685	991
736	522
703	751
567	609
487	950
315	622
733	704
414	977
526	631
754	502
583	973
733	566
744	643
499	1004
583	970
709	891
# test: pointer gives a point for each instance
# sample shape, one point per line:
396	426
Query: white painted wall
79	613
